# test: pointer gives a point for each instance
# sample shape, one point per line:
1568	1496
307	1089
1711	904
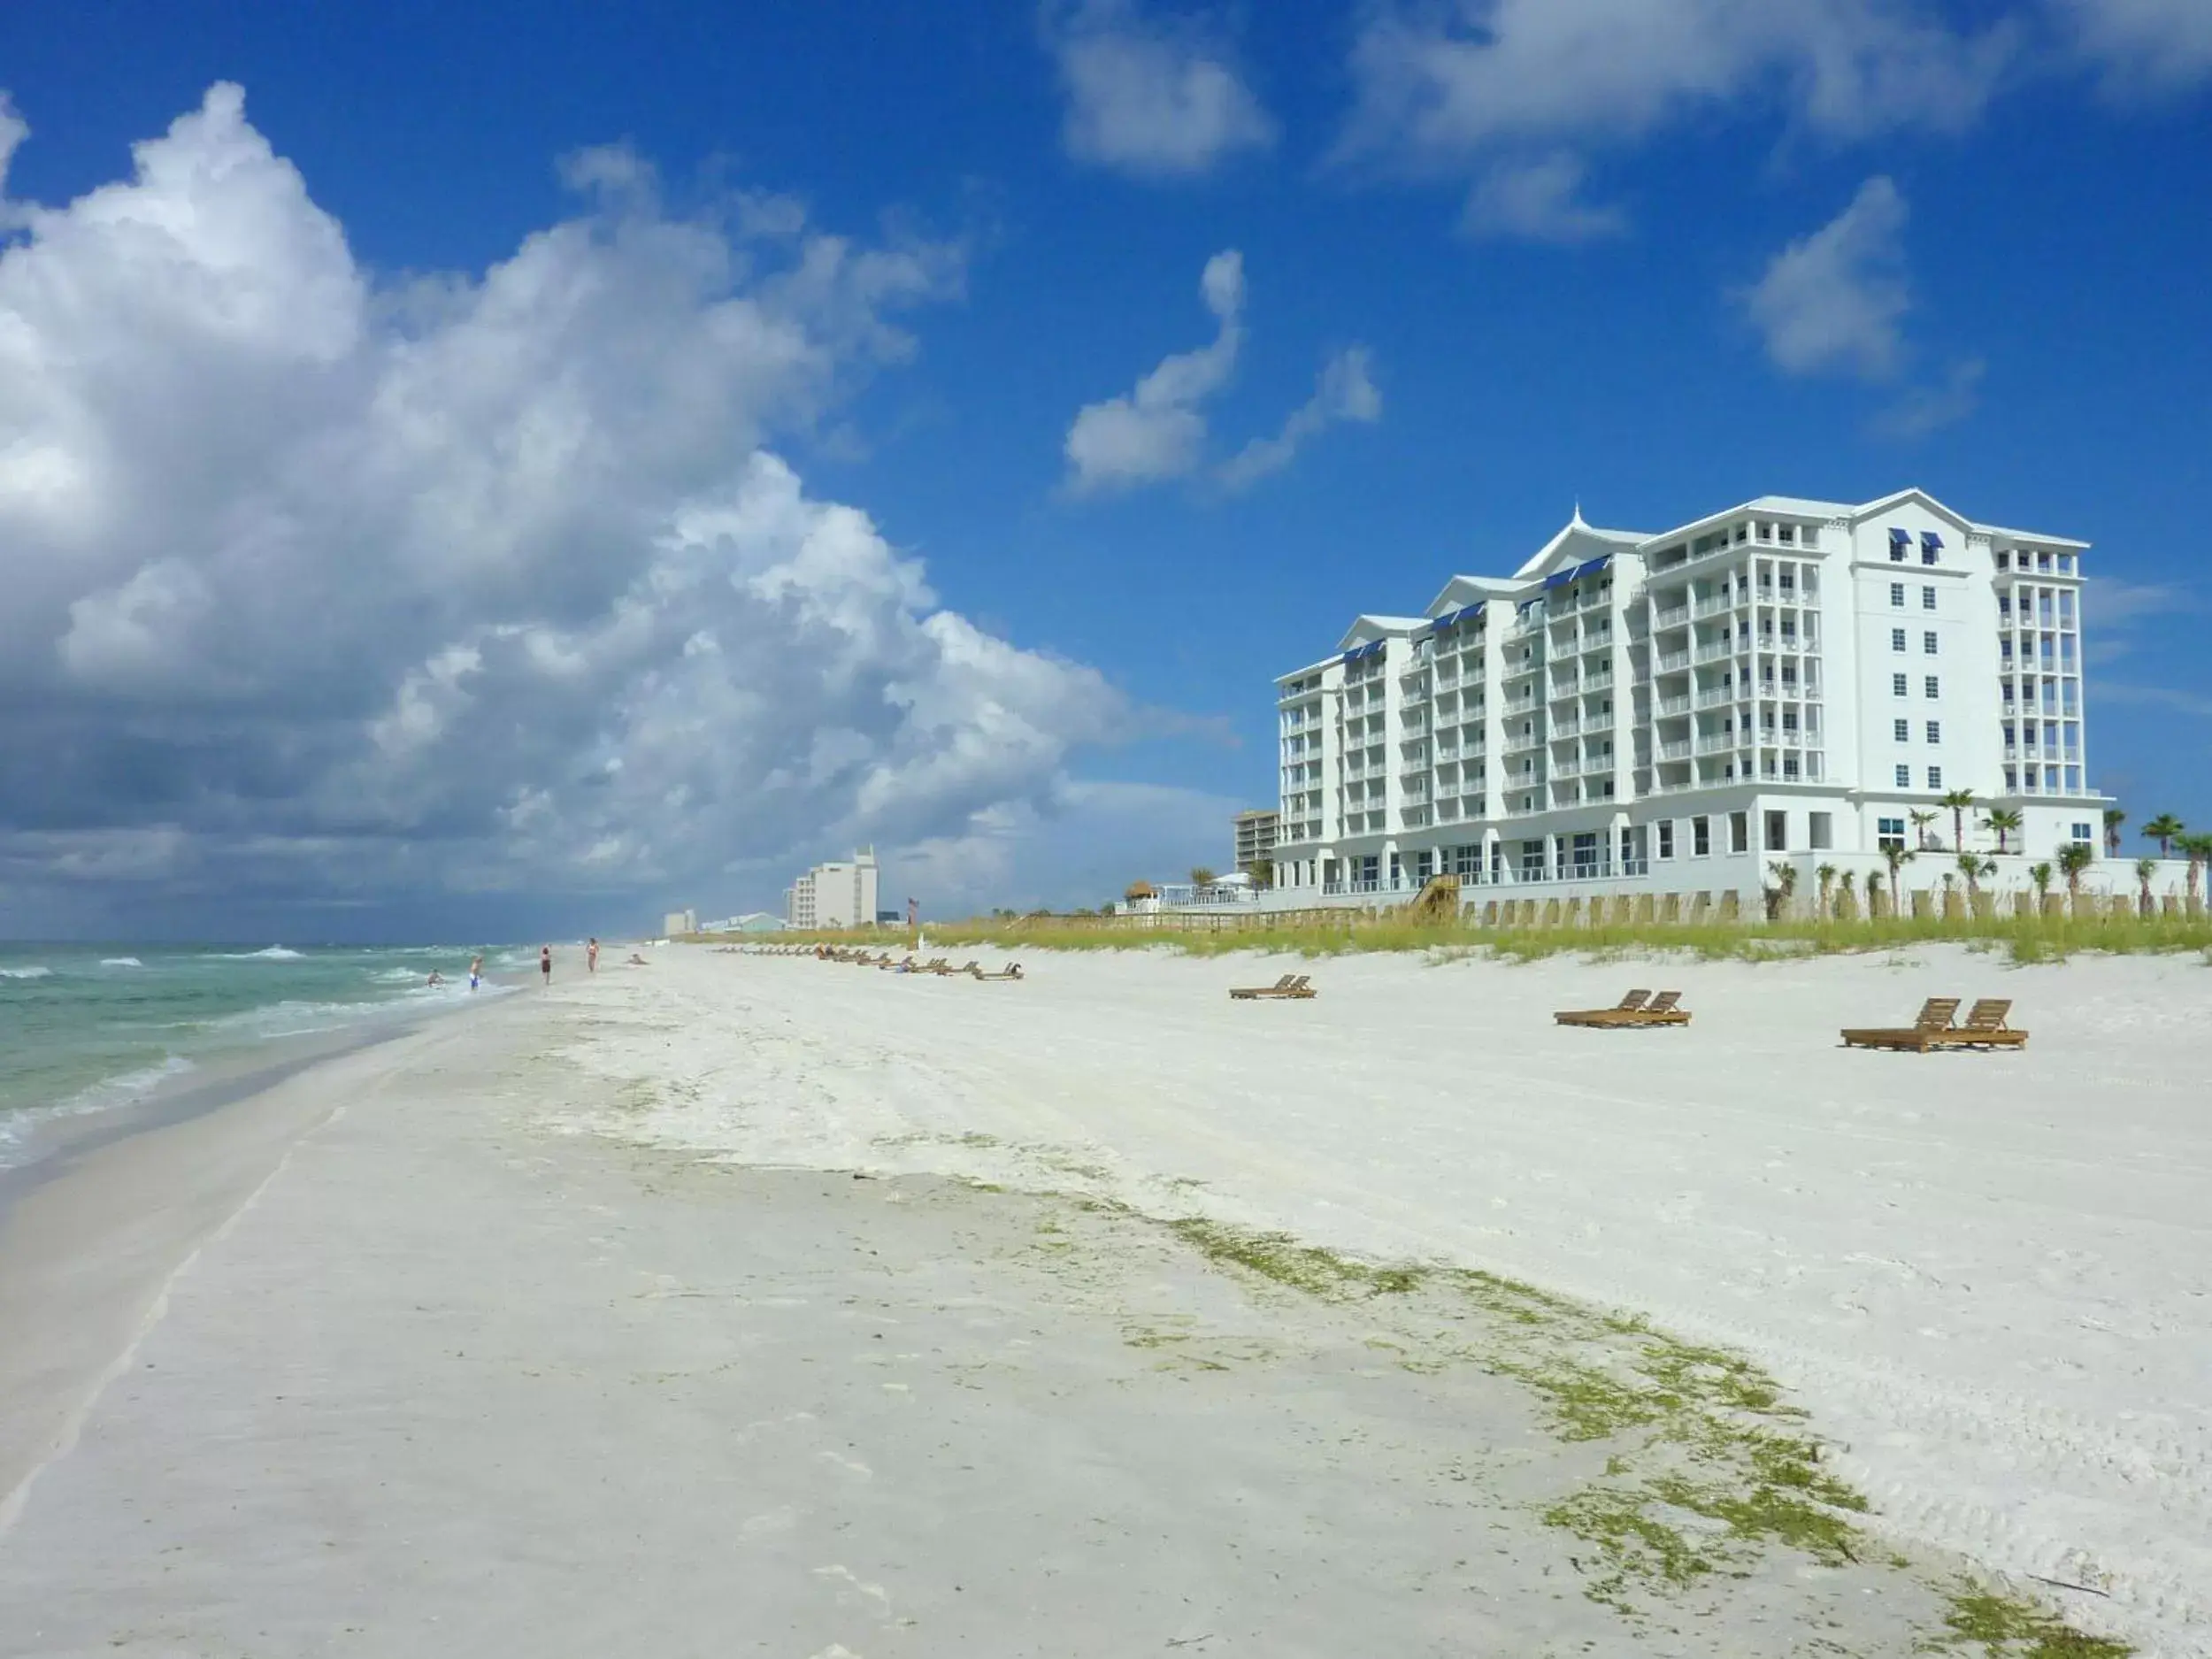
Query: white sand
373	1365
1990	1276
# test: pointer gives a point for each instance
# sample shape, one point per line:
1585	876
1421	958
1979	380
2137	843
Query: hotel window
1666	837
1929	544
1934	686
2073	780
1889	834
1899	686
1935	731
1897	638
2004	561
1897	594
2011	780
1785	535
1904	777
1899	540
1935	777
1819	832
2084	836
1700	837
1740	832
1901	731
1927	599
1928	642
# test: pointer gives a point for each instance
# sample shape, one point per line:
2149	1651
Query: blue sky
1485	260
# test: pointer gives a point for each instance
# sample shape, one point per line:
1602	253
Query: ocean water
87	1028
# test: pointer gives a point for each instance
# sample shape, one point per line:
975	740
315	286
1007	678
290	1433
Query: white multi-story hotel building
838	895
1787	679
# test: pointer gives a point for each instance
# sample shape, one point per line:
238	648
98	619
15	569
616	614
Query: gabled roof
1368	629
1578	544
1462	591
1918	497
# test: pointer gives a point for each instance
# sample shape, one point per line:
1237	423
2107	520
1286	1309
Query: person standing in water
591	957
476	971
545	964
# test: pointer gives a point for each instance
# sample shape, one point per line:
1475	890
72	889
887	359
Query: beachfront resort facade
1786	682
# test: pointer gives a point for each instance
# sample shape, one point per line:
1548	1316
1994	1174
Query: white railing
1714	699
1667	706
1715	651
1672	617
1679	749
1672	661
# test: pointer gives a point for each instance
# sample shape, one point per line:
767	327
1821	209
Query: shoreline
494	1230
37	1132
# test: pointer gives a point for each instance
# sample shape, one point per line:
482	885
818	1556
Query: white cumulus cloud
1158	431
1836	300
1345	391
325	586
2161	44
1514	93
1155	98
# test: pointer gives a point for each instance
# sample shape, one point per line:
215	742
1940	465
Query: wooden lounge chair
1983	1027
1934	1020
905	965
1290	985
1012	970
1662	1010
1628	1004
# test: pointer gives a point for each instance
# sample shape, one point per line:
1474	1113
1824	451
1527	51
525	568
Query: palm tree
2113	819
2198	850
1896	858
1920	822
1827	874
1778	896
2041	874
2004	820
2162	829
1845	902
1961	802
1201	877
2145	869
2073	859
1971	866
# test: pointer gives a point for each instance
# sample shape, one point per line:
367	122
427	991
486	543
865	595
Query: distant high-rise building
679	922
1256	838
840	894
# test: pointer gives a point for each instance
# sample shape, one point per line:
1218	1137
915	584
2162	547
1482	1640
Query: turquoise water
85	1028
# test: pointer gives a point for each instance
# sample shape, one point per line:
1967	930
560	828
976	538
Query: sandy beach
750	1304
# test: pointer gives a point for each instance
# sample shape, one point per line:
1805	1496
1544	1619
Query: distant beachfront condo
1786	681
839	894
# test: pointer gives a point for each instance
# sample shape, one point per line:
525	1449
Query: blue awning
1361	652
1453	619
1896	534
1929	537
1560	578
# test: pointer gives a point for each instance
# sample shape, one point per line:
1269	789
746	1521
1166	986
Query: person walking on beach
591	957
476	971
545	964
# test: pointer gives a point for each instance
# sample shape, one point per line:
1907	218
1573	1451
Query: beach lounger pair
1985	1028
1012	970
1636	1009
1291	985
